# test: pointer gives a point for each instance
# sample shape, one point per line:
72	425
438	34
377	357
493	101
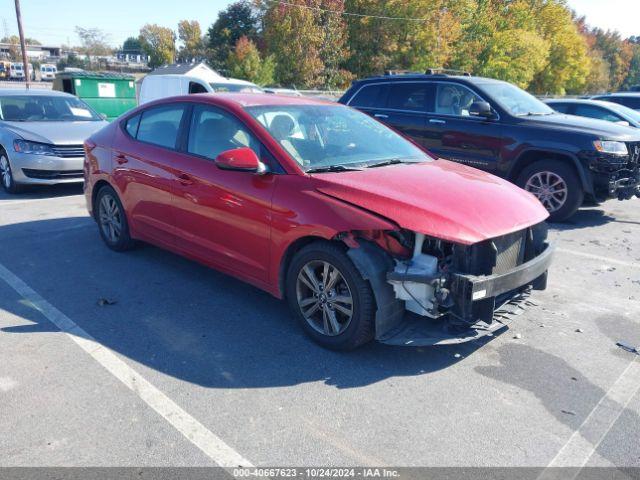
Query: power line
348	14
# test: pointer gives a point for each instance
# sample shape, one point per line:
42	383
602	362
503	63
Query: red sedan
363	233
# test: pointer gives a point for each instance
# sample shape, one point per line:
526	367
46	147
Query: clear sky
53	21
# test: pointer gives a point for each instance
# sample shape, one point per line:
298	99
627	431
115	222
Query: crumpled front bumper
481	305
475	297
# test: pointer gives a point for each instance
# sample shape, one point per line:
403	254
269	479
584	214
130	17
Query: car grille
509	252
68	151
634	152
491	257
52	174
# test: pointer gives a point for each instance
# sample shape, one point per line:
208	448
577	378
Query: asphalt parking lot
164	362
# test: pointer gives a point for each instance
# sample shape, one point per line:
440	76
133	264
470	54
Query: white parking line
599	258
584	441
27	201
194	431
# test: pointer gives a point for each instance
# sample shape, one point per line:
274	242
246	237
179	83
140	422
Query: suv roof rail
401	72
446	71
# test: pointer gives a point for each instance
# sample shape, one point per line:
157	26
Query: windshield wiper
333	168
391	161
535	114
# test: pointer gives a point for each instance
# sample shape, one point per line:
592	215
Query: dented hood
441	199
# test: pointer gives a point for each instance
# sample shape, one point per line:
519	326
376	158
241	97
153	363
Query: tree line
540	45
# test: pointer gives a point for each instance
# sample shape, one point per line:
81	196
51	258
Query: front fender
521	159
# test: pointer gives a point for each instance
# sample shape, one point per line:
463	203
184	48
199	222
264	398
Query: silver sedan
41	137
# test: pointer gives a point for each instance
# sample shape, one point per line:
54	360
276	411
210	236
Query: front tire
556	185
6	175
328	295
112	221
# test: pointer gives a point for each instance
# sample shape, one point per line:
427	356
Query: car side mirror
103	116
241	160
481	109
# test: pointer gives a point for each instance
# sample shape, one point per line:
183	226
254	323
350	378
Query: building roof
197	70
177	69
98	75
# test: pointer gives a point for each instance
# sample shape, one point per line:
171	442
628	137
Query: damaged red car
362	232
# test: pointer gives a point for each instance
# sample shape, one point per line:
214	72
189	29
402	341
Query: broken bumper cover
471	317
475	297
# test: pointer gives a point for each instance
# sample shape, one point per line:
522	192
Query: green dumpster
111	94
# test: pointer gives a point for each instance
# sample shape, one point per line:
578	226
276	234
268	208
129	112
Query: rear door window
370	96
409	96
560	107
160	125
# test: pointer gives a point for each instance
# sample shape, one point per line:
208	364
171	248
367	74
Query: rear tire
6	175
339	312
112	221
556	185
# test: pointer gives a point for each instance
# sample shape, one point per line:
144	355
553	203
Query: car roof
428	76
12	92
619	94
252	99
582	101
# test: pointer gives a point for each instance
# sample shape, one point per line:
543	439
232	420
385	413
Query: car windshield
626	111
235	87
515	100
44	108
327	137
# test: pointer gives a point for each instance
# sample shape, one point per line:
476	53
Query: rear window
631	102
160	125
369	96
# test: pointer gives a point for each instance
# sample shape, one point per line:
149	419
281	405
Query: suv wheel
556	185
112	221
328	295
6	175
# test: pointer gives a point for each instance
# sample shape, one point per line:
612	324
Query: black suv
497	127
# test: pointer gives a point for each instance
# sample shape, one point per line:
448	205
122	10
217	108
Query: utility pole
23	46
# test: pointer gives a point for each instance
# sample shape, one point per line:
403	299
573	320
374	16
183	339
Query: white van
48	72
154	87
16	71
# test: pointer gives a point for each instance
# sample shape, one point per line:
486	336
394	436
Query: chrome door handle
380	115
437	120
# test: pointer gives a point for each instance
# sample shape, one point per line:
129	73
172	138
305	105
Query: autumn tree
159	43
238	20
132	44
94	42
568	64
334	51
245	62
295	38
515	56
190	34
633	77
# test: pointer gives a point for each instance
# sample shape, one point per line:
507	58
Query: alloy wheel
324	298
549	188
5	172
110	218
